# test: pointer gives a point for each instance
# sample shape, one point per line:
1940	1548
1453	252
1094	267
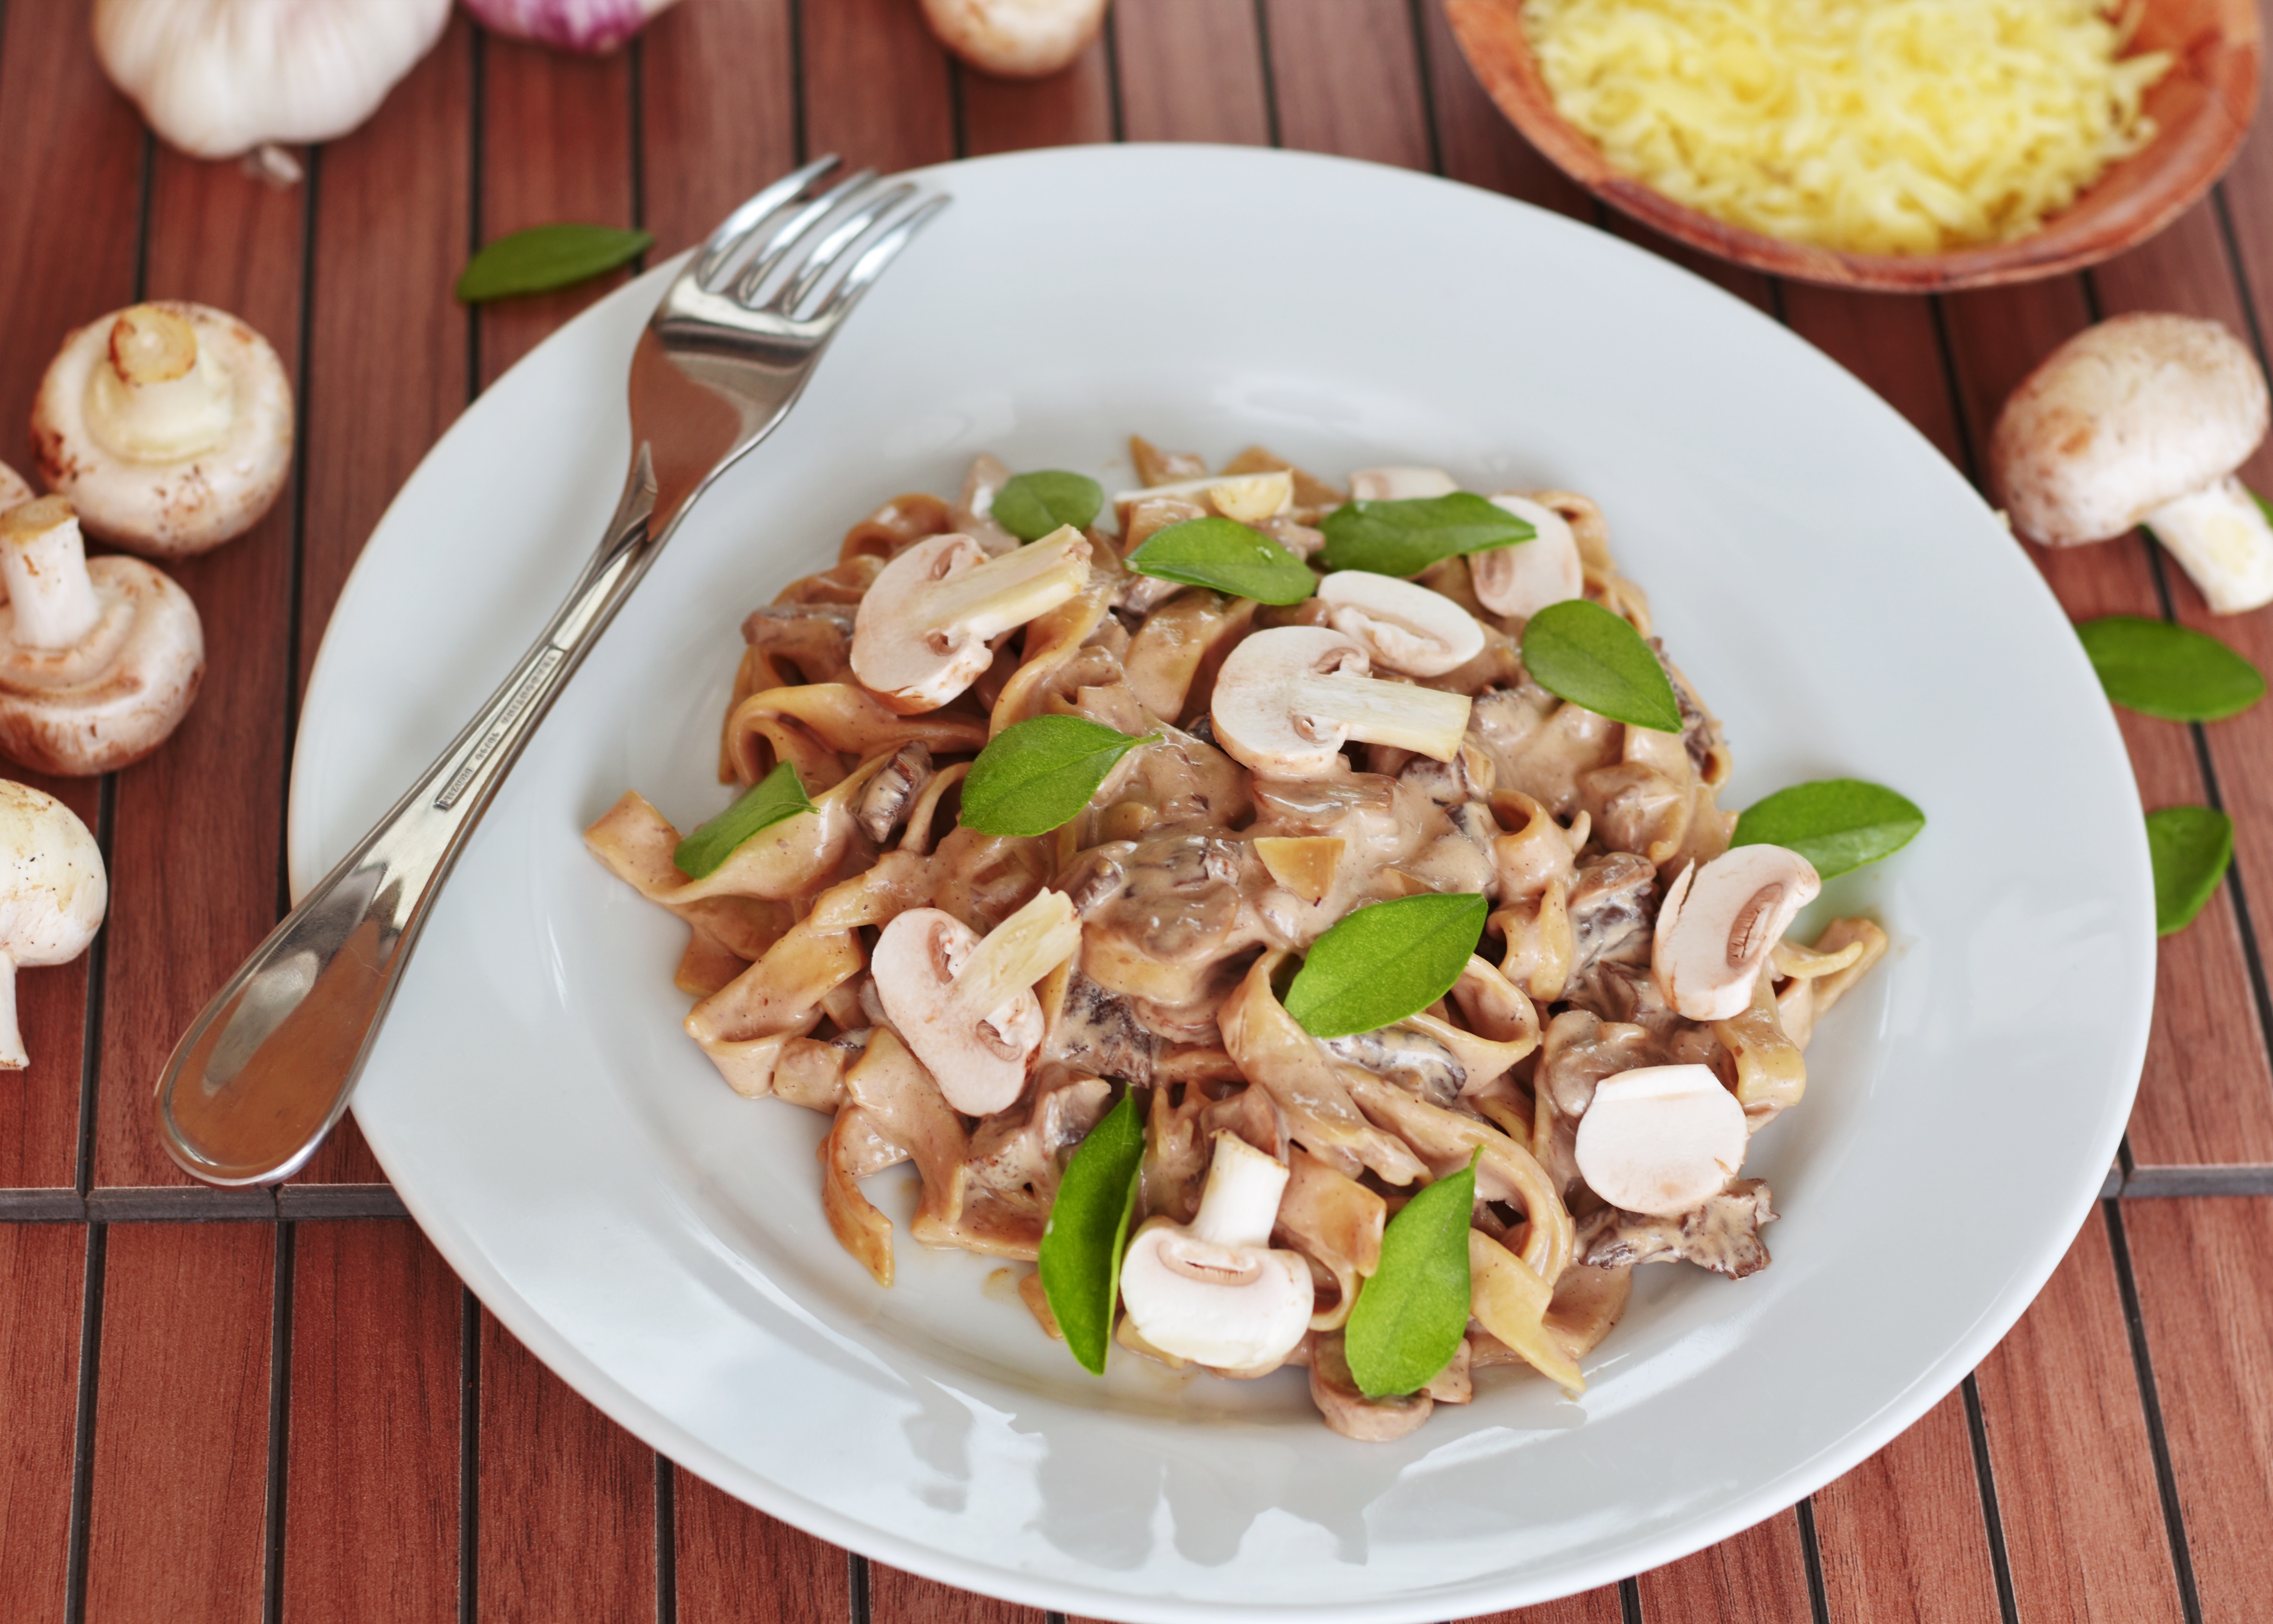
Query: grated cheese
1876	126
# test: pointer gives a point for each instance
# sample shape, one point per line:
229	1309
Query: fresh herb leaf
1579	651
1405	537
1836	824
778	794
1031	506
1088	1231
1384	963
2159	668
1034	775
544	257
2191	847
1227	555
1408	1319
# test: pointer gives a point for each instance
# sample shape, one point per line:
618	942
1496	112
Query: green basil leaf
778	794
1579	651
1384	963
544	257
1836	824
1034	775
1408	1319
1226	555
2191	847
2159	667
1405	537
1088	1231
1031	506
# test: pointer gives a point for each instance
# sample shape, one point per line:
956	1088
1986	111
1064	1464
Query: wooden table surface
247	1405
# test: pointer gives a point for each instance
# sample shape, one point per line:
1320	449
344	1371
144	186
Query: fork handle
265	1072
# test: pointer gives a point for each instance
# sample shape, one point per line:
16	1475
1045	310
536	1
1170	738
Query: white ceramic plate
1836	590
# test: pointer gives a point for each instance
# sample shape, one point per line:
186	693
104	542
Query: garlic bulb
593	26
216	78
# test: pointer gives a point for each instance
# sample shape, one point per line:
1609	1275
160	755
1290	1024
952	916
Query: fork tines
774	252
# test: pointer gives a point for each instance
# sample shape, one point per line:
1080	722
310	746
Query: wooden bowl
2202	109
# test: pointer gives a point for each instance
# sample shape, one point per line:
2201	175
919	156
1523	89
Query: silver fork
263	1073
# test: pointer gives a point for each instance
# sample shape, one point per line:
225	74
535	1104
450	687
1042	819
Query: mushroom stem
1018	952
1243	496
990	598
2220	536
13	1057
161	398
44	560
1426	721
1240	1201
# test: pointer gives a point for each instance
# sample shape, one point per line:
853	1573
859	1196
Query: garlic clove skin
217	78
590	27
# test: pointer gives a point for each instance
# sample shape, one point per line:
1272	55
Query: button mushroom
967	1005
1400	484
1718	923
1248	497
1523	578
2143	419
52	894
99	658
920	636
1402	625
1661	1139
1016	39
1212	1291
1288	699
168	426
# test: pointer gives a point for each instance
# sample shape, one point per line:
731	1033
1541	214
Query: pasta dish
1257	942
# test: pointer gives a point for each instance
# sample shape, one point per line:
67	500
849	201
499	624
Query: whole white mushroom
1016	39
52	895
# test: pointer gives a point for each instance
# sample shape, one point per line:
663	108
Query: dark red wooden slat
176	1529
1065	110
1191	71
70	196
370	1521
719	109
2205	1275
1901	1536
1347	79
198	827
1760	1575
2067	1440
897	1598
876	86
42	1272
735	1565
1601	1607
2246	192
1891	345
1477	144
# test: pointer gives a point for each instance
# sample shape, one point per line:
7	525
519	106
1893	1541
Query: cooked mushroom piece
921	634
1016	39
52	894
1346	1409
1520	581
1212	1291
1661	1139
2144	420
1288	699
966	1006
13	491
99	658
1400	484
168	425
1718	923
1248	497
1401	626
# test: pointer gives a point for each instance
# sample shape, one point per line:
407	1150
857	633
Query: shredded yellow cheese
1876	126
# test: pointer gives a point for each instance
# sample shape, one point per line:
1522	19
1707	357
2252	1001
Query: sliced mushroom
1016	39
1718	923
52	895
2143	419
966	1006
1401	626
1521	579
1661	1139
1722	1234
1400	484
1212	1291
1288	699
1348	1410
884	804
922	635
168	425
99	658
1248	497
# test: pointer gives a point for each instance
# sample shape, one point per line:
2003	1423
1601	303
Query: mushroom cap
1718	923
909	673
1228	1307
1253	690
1401	623
1016	39
979	1062
169	508
2122	418
114	697
1523	578
1400	484
14	490
52	888
1661	1139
